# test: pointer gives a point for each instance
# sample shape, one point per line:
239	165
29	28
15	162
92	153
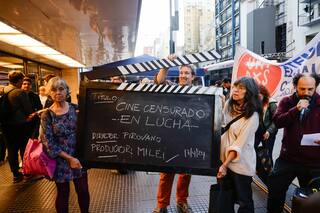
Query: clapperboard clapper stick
105	71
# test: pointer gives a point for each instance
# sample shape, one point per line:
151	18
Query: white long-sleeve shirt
240	138
43	99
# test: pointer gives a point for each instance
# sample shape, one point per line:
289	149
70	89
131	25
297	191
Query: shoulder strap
46	110
231	122
7	93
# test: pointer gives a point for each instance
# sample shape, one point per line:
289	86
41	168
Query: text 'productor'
115	150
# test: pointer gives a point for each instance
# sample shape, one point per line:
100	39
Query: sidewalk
113	193
110	193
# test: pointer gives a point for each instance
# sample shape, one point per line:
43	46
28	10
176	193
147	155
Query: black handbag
222	199
264	162
307	200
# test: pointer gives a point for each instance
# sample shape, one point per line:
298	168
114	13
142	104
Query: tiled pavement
111	193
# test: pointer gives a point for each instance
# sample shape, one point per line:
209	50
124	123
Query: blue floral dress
58	133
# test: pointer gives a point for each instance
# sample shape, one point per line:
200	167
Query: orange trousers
165	186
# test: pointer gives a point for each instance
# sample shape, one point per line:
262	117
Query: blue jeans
280	179
241	186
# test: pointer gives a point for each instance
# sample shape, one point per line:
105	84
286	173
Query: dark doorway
281	41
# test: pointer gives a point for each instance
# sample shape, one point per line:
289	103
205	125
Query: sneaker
17	178
119	171
160	210
114	171
184	208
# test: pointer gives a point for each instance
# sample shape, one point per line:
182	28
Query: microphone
304	110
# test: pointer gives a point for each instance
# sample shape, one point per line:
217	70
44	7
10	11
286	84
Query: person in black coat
16	128
266	134
36	106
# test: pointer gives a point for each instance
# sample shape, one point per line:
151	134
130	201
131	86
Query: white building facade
296	22
199	33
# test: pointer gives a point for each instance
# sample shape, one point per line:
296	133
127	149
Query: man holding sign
299	115
186	77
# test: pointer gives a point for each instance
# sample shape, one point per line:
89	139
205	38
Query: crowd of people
296	114
255	119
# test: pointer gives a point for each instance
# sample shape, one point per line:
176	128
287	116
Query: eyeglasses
239	87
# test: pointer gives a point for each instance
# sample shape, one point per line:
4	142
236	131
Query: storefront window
8	63
32	67
33	70
45	70
3	78
33	73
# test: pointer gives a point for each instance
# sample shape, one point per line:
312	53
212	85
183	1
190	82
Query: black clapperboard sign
149	127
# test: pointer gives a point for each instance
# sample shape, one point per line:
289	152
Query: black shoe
184	208
160	210
28	177
17	178
32	178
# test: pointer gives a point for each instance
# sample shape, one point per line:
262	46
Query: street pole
171	42
174	25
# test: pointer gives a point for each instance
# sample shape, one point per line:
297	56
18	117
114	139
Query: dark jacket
268	123
35	101
287	117
35	122
20	103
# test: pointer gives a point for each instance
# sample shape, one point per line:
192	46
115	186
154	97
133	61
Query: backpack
5	107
